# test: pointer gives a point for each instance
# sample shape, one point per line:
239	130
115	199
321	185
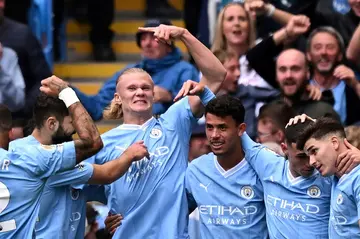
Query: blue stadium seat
40	22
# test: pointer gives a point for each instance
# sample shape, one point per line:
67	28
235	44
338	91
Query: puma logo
205	187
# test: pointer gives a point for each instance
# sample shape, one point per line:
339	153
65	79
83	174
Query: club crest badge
340	199
314	191
247	192
155	133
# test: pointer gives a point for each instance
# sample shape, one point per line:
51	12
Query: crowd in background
280	56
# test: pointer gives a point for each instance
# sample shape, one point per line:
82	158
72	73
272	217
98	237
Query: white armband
69	96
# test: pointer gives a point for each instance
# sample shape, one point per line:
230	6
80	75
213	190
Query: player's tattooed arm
89	142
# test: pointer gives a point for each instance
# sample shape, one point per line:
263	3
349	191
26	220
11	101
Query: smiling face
322	154
136	93
223	133
324	52
291	71
236	25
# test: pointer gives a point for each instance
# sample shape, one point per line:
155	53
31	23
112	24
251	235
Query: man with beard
53	125
292	75
325	49
291	72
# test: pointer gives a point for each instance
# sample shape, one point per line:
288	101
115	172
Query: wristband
68	96
206	96
271	11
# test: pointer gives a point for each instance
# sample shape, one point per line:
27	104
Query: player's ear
52	124
284	148
335	142
241	129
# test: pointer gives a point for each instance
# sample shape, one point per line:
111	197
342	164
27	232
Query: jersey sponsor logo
339	199
314	191
75	193
247	192
155	133
5	163
292	205
226	215
145	165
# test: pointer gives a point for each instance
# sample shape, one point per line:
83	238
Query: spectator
199	144
162	61
291	71
249	95
12	86
236	33
5	126
33	65
325	51
272	120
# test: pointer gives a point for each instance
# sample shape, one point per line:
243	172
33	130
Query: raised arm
353	50
259	8
213	71
114	169
261	57
89	142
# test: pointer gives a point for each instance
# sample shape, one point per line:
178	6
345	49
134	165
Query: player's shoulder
352	178
202	161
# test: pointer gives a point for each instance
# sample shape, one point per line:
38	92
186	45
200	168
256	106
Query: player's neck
138	119
4	140
41	136
231	159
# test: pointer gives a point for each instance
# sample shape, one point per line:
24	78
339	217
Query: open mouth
140	101
216	145
237	32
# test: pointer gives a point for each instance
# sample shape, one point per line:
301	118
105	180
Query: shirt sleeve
262	159
191	200
52	159
356	188
180	118
79	175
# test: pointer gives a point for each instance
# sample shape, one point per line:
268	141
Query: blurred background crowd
283	57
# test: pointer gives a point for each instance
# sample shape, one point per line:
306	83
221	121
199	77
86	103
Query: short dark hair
47	106
5	118
278	111
226	105
293	132
319	129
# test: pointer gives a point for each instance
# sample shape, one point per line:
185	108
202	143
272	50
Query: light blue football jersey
66	219
22	181
230	203
295	207
345	206
151	194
